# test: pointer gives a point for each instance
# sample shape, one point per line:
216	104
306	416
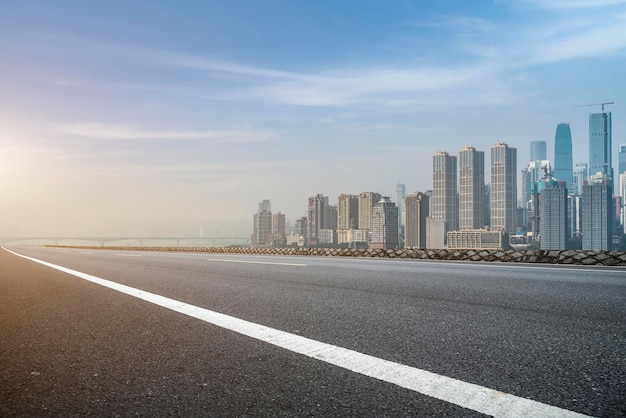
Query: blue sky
161	117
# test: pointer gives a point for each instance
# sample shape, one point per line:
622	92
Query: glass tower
563	163
622	159
600	140
538	150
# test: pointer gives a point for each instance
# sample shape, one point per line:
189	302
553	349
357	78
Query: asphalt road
70	347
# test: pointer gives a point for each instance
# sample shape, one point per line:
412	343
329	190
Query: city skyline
169	119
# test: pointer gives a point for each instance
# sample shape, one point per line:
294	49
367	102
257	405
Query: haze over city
165	118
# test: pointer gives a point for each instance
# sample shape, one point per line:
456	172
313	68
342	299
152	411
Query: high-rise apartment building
415	214
553	227
385	224
534	172
262	224
279	229
471	188
445	204
598	213
330	217
622	182
503	195
574	215
563	162
400	195
580	174
600	140
538	150
315	218
347	211
367	200
300	229
622	193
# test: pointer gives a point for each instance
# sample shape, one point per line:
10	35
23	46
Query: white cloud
101	131
598	39
573	4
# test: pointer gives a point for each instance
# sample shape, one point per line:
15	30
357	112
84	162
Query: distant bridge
129	241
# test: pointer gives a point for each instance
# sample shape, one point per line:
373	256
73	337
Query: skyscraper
622	193
503	194
600	140
538	150
445	200
598	213
622	159
563	162
385	224
580	174
471	188
315	217
347	211
401	194
415	214
279	229
553	227
367	200
262	224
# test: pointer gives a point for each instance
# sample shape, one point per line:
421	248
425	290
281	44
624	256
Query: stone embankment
606	258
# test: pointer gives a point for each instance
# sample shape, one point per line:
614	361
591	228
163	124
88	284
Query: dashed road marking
257	262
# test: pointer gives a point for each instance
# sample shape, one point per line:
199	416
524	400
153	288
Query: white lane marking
256	262
129	255
467	395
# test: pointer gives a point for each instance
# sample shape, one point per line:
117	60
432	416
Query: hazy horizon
160	118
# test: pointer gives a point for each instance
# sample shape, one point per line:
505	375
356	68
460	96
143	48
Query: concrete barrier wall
606	258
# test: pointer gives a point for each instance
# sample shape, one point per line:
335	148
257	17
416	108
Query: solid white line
256	262
467	395
129	255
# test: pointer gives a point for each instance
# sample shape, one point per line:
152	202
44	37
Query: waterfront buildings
563	162
415	215
471	188
597	213
600	140
385	224
503	193
445	204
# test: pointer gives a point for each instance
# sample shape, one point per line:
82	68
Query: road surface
175	334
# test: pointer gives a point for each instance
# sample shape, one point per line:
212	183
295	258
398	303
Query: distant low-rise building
349	236
476	239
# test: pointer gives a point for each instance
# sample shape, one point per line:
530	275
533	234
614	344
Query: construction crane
597	104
